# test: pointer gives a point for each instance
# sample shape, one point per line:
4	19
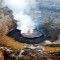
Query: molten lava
27	32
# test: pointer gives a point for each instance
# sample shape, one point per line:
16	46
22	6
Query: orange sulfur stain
7	41
48	49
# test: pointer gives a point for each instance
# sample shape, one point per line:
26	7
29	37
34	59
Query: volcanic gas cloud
21	10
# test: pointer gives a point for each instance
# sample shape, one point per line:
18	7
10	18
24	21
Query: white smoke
19	7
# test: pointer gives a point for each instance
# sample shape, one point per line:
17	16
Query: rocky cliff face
5	21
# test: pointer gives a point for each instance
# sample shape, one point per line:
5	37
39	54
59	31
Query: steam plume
20	10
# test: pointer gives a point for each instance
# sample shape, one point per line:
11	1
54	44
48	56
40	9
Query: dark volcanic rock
18	37
39	34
